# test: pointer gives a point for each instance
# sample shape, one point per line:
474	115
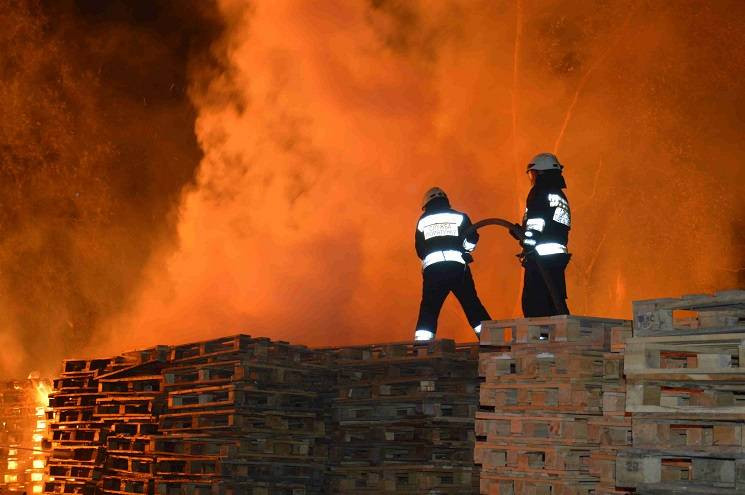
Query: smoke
333	117
96	145
318	126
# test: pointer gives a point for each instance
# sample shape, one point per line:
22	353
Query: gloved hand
468	258
516	231
526	254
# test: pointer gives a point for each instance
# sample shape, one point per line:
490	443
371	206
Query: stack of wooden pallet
612	430
541	404
131	399
403	419
685	369
21	457
243	416
75	463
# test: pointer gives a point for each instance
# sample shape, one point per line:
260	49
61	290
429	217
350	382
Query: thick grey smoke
335	116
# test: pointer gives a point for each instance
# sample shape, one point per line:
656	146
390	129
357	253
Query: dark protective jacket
547	219
440	234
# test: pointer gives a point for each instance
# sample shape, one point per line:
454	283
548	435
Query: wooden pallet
686	399
126	485
224	487
128	445
234	419
259	349
127	408
567	430
706	357
544	363
505	484
242	395
93	366
568	397
76	384
407	388
77	453
591	332
387	452
439	408
644	469
404	479
432	433
534	459
675	434
691	314
500	428
130	464
226	372
402	351
76	487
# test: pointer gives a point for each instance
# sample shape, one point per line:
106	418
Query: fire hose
518	232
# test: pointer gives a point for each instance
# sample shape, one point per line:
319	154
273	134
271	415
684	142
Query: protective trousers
537	299
438	281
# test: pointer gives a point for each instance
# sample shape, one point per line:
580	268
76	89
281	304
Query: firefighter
546	227
445	250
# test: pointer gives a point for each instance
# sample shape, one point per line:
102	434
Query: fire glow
316	154
320	128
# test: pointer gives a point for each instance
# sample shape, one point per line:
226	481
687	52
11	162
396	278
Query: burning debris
22	430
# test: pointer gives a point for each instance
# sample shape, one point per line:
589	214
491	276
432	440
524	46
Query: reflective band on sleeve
529	242
535	224
555	200
528	233
439	256
562	216
468	246
550	248
454	218
423	335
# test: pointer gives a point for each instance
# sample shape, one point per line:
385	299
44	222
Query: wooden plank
505	484
594	332
692	357
636	468
703	313
685	398
688	435
579	397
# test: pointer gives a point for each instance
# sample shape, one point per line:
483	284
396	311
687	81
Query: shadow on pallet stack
542	413
244	416
404	419
132	398
686	393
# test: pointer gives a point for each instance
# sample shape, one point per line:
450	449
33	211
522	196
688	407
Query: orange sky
334	117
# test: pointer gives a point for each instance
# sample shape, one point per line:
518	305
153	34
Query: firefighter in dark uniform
546	227
445	250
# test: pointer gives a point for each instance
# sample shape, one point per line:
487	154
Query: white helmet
545	161
431	194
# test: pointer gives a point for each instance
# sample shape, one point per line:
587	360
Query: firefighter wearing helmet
444	244
545	238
